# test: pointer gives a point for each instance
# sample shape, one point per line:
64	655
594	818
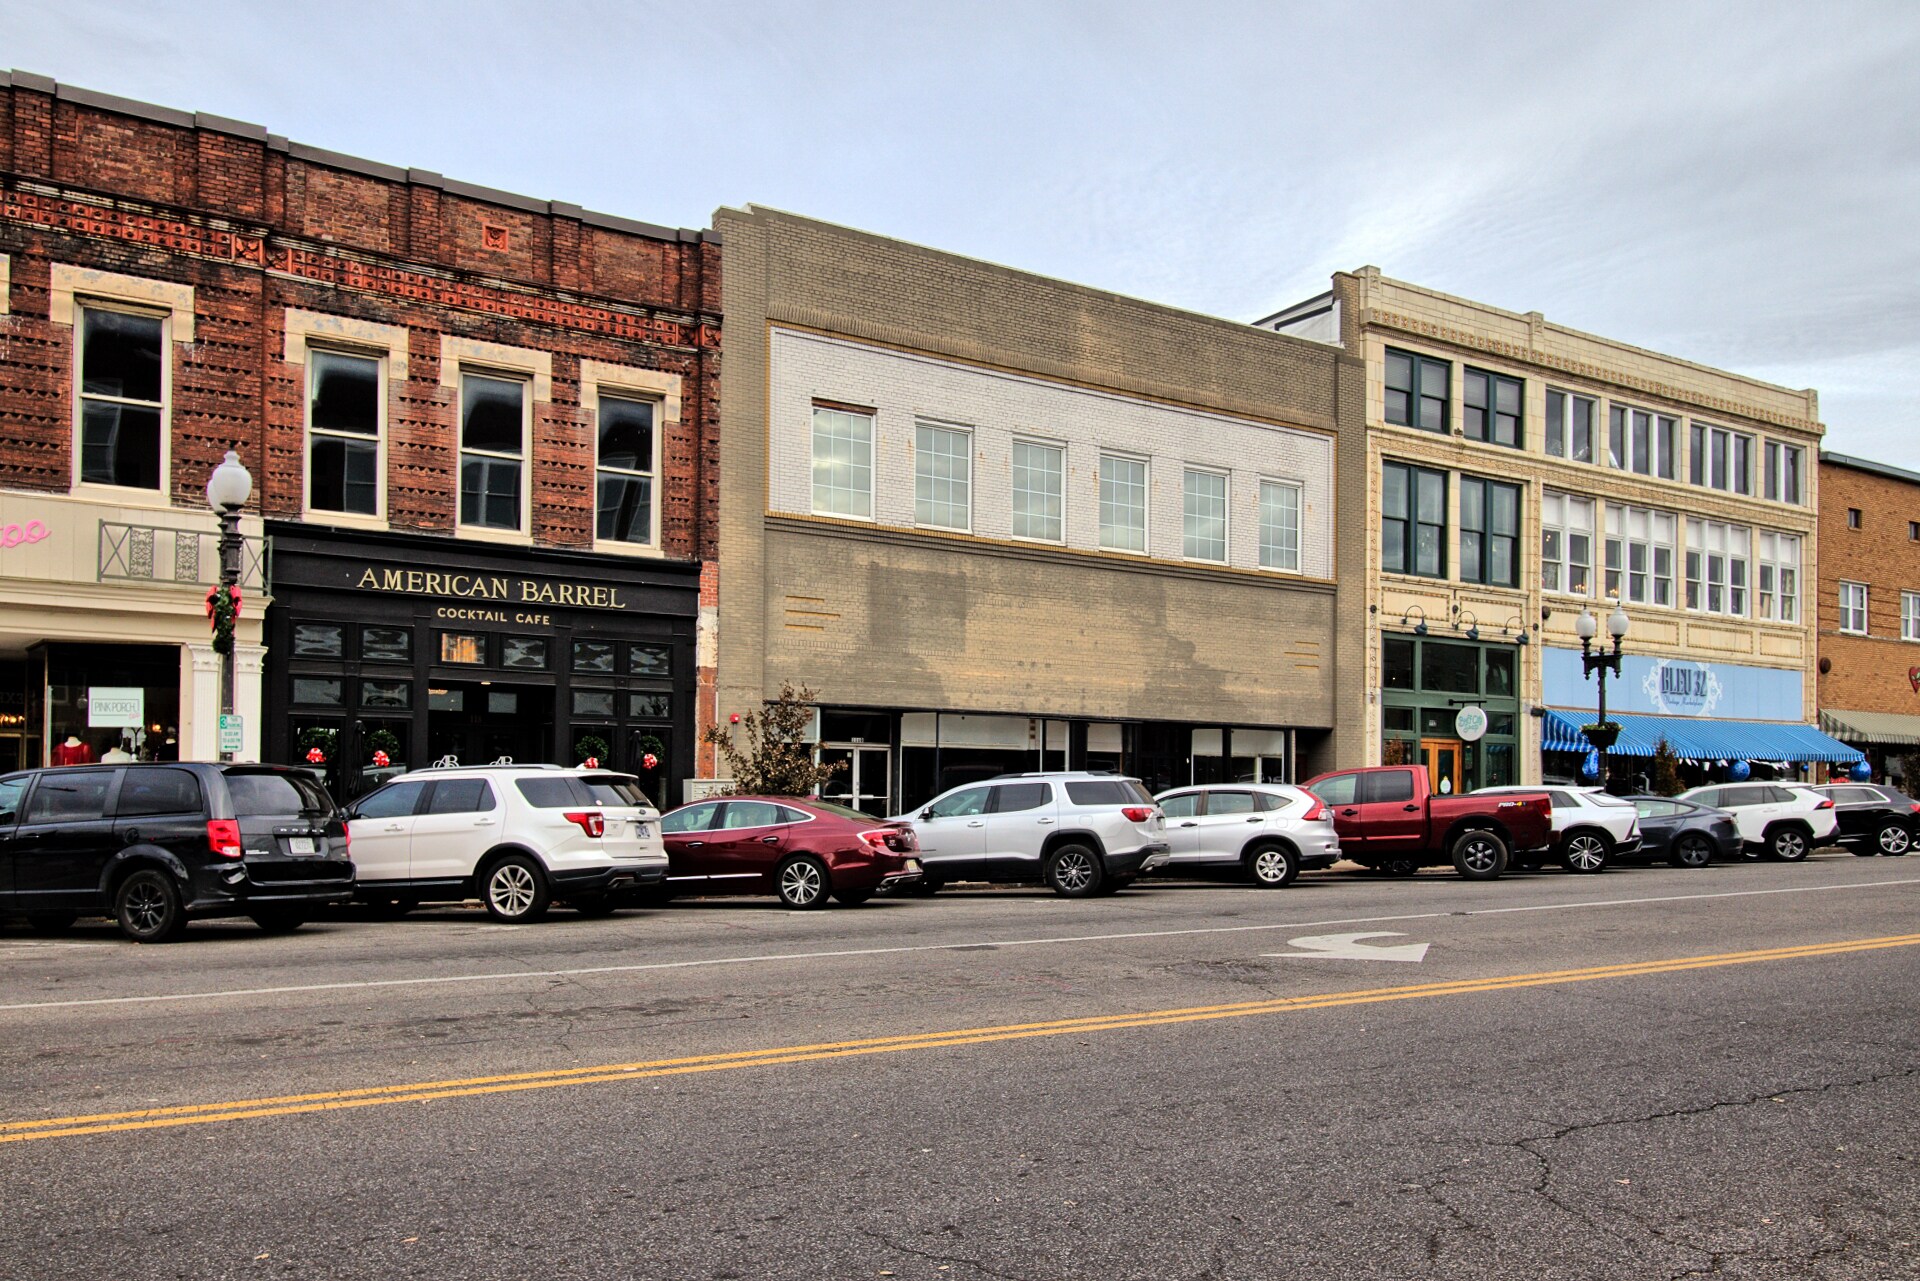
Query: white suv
1271	830
514	836
1777	819
1590	828
1080	833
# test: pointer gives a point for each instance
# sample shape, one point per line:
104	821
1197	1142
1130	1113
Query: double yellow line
426	1091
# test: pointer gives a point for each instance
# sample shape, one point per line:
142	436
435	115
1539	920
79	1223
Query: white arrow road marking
1348	947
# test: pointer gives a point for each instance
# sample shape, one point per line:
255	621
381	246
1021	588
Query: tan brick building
1515	473
1869	614
999	522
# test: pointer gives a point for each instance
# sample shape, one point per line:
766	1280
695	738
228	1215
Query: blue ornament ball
1590	766
1861	772
1739	771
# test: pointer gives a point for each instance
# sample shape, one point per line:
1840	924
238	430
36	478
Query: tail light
1914	808
1137	813
1316	811
1824	805
346	836
223	837
592	822
888	840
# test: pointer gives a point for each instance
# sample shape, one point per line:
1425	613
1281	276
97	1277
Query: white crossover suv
1775	819
1271	830
514	836
1590	828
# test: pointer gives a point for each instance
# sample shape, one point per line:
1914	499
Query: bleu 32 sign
1677	687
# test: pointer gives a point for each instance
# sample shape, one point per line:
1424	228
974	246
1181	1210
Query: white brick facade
996	407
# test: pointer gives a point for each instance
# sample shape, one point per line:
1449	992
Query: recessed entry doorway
477	722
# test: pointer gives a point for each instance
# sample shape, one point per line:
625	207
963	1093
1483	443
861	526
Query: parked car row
154	845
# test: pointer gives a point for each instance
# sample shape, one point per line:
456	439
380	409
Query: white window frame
379	513
651	475
524	457
920	478
1773	473
1566	515
1732	546
813	456
1568	399
1146	501
1851	612
1630	458
161	493
1187	473
1910	616
461	356
1059	495
1701	438
625	382
309	331
1777	582
1267	545
1648	531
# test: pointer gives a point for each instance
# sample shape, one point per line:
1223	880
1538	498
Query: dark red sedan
802	849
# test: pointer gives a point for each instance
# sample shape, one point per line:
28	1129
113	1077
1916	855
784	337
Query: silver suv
1271	830
1080	833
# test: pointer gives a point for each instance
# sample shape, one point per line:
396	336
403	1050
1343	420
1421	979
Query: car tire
514	890
1787	844
1894	839
1074	871
802	884
147	905
1272	867
851	898
595	904
1585	853
1690	852
51	922
1398	866
1479	854
278	920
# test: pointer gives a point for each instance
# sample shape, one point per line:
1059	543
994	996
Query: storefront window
1398	661
446	700
316	691
650	660
1452	668
656	706
105	702
468	648
397	694
386	645
528	653
593	702
319	640
1499	673
592	656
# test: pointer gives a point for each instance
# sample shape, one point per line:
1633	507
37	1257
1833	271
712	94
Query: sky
1732	183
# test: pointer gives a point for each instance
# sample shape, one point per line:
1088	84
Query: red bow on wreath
380	760
592	762
649	761
316	757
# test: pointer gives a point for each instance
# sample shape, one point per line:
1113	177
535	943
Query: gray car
1270	830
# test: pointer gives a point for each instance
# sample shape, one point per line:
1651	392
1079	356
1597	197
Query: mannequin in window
72	752
116	753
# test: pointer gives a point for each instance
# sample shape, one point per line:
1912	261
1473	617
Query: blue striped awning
1702	740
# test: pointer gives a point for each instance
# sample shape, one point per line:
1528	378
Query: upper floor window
942	477
1204	515
1720	459
1717	557
123	407
1566	544
493	452
1490	407
1639	554
1489	532
344	409
842	462
1413	520
1417	390
1640	441
1910	616
1853	608
1783	473
1779	580
1570	426
1123	503
1038	505
1279	525
625	464
1853	518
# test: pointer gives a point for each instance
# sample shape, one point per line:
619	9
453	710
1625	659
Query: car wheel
515	890
51	922
1479	855
278	920
1272	867
1584	853
1894	840
851	898
1398	866
595	904
802	884
1691	851
1074	871
147	905
1788	844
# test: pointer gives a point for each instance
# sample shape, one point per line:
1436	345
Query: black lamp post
1603	733
227	492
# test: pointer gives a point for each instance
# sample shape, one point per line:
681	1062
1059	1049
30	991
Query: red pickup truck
1389	819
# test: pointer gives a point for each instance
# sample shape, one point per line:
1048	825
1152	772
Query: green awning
1872	727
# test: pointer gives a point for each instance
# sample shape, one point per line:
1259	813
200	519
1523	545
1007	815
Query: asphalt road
1644	1074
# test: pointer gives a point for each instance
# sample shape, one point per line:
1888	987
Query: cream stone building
1517	473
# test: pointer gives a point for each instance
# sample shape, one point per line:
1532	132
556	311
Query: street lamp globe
1617	622
229	486
1586	626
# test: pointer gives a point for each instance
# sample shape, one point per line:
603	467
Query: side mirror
927	813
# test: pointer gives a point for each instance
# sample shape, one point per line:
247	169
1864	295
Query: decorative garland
319	742
383	742
223	610
650	745
591	747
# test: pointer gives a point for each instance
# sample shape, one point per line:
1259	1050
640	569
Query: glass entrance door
477	723
862	781
1442	759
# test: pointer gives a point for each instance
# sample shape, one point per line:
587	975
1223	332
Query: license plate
913	865
640	829
300	845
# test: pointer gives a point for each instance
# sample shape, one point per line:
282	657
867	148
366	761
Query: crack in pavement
932	1257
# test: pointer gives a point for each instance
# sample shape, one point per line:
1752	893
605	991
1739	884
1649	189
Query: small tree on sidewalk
774	758
1663	776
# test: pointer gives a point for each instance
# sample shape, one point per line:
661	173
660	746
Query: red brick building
481	430
1870	609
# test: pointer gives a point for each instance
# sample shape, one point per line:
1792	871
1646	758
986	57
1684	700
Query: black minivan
154	845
